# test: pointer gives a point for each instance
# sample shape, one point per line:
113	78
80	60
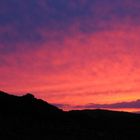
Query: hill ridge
25	117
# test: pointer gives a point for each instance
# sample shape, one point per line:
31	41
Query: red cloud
76	63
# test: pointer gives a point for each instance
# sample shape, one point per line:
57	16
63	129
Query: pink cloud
79	63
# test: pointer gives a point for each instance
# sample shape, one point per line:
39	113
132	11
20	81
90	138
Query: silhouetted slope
25	104
26	118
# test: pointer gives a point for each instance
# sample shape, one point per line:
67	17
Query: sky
75	54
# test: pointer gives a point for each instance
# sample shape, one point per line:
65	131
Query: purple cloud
119	105
27	17
132	104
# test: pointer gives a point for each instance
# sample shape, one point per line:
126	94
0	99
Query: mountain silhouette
26	118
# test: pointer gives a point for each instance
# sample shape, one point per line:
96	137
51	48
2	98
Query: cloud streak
119	105
132	104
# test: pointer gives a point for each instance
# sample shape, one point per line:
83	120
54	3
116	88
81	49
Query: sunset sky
73	53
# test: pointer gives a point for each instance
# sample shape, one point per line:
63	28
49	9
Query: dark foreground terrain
28	118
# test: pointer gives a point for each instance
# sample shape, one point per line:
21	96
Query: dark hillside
26	118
